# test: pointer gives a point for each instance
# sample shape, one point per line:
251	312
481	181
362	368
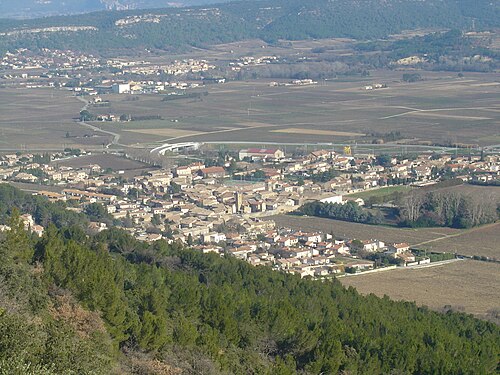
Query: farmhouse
213	172
398	248
261	154
121	88
320	155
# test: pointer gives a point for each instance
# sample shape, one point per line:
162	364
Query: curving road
116	136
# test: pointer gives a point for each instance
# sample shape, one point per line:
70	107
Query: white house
121	88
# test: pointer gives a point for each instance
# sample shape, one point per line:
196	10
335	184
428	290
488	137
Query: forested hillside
37	8
269	20
79	304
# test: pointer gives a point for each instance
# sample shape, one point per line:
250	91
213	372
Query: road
359	145
116	136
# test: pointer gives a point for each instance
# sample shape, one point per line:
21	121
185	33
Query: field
481	241
382	192
442	108
42	119
470	286
318	132
491	193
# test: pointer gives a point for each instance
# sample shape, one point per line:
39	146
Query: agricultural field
480	241
469	286
382	192
42	119
442	108
486	192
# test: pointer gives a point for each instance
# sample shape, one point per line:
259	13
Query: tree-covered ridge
42	210
207	314
433	46
269	20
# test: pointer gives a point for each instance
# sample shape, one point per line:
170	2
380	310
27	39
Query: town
227	207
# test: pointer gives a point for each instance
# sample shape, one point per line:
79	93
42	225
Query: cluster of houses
29	225
70	69
312	254
24	59
176	68
25	168
246	61
362	171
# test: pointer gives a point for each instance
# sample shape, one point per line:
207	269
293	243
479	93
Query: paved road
116	136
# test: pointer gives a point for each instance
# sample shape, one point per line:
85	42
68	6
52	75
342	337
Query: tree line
448	209
350	211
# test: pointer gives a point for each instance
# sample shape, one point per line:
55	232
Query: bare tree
412	206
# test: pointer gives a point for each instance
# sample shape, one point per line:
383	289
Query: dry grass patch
83	321
471	286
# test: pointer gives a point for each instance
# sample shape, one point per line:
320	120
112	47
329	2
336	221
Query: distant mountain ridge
43	8
270	20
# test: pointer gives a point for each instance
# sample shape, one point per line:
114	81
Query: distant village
226	208
77	72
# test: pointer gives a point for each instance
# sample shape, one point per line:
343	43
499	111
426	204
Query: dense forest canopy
269	20
74	303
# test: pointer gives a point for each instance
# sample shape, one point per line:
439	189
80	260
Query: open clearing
362	231
381	192
481	241
471	285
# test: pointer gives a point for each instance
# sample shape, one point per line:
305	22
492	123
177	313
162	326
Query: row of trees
447	209
349	211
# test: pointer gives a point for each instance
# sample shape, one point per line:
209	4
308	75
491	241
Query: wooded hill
78	304
269	20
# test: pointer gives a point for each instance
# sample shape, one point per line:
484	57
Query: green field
381	192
